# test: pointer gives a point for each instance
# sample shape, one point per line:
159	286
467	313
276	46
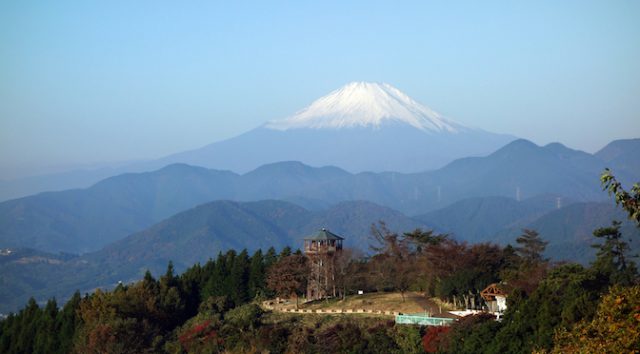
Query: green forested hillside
215	307
480	219
568	229
188	237
201	232
84	220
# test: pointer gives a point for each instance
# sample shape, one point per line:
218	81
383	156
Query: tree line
213	307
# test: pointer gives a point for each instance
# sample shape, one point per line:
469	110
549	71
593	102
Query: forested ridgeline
212	307
552	307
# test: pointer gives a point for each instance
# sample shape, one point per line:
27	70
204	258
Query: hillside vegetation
85	220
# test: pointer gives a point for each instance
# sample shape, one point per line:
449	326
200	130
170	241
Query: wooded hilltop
215	307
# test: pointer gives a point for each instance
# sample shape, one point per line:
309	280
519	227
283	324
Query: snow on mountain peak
365	104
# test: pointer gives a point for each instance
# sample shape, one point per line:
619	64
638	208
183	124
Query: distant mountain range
623	155
479	219
359	127
567	225
85	220
570	230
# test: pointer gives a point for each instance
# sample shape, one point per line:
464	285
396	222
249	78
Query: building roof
490	292
322	235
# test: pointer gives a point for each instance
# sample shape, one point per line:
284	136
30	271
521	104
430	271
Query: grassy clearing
414	303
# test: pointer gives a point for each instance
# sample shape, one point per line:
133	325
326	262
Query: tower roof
323	234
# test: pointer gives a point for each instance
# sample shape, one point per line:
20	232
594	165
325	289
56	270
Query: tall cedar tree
256	275
238	278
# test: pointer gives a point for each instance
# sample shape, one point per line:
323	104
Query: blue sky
86	82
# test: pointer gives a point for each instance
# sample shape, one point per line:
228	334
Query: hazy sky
89	81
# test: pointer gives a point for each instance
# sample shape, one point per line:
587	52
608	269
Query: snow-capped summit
359	127
366	104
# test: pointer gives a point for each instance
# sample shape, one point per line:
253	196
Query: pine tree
611	259
531	246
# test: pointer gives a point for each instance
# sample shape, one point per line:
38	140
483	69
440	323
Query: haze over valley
326	177
364	153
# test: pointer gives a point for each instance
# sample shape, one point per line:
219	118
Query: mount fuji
364	104
360	127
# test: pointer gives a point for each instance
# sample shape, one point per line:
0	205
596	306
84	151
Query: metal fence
420	319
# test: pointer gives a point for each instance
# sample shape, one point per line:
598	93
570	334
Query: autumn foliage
432	340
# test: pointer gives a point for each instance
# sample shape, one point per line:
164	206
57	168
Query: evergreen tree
226	286
611	260
286	252
238	278
27	327
171	299
270	258
568	294
8	330
46	339
214	274
531	246
149	282
169	279
190	285
256	275
68	323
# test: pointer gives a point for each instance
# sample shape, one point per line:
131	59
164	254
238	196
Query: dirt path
428	305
